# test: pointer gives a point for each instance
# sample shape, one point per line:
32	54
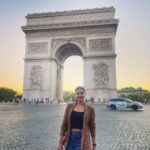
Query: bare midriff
77	130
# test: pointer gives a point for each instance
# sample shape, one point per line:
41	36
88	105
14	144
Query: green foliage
137	97
68	95
147	96
137	94
7	94
132	90
18	96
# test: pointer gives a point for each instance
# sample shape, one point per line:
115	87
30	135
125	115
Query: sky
132	41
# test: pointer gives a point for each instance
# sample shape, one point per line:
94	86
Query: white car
122	103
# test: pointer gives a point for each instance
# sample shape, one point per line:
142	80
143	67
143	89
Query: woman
78	126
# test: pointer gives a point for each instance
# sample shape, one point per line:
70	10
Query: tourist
78	126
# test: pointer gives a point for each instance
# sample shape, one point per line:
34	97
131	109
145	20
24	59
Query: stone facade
53	37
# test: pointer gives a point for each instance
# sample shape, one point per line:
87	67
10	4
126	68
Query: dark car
123	103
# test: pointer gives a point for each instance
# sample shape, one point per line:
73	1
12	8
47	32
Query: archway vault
67	50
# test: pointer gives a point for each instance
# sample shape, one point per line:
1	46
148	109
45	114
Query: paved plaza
36	127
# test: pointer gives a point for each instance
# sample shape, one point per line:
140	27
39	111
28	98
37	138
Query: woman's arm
63	129
64	122
92	127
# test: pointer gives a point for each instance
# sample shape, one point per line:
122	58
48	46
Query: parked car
123	103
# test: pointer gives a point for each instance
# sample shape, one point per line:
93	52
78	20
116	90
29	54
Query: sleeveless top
77	120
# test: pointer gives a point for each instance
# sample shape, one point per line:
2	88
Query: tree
68	95
132	90
18	96
7	94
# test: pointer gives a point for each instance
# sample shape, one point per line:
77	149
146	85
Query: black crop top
77	120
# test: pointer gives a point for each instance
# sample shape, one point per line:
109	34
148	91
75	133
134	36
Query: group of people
38	101
78	128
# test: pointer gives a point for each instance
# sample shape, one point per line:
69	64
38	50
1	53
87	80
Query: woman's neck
79	107
80	103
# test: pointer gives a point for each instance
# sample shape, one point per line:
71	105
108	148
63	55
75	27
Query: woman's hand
60	143
94	148
60	147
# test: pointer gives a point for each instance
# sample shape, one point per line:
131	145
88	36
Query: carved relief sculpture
101	77
100	44
38	48
36	77
75	31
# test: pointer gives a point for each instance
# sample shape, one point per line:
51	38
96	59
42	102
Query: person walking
78	125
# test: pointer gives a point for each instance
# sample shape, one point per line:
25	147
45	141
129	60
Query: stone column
100	68
59	82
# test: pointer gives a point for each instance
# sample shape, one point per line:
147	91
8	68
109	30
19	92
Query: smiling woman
78	126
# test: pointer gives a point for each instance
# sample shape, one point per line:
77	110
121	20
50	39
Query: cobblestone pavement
37	127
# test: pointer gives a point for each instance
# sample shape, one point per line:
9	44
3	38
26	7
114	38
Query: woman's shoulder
90	106
71	104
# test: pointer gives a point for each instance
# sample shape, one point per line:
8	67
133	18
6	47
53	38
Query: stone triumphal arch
53	37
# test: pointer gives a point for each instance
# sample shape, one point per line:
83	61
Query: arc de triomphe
53	37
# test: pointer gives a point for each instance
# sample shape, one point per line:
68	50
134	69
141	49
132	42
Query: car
123	103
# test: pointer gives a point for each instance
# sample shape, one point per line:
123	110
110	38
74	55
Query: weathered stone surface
53	37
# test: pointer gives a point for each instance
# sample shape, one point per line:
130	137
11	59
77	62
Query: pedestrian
78	125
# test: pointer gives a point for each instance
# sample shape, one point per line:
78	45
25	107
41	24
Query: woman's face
80	95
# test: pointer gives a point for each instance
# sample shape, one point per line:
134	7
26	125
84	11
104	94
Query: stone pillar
37	69
100	68
36	79
53	79
59	82
100	78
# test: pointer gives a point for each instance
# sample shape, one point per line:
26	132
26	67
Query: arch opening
66	51
72	73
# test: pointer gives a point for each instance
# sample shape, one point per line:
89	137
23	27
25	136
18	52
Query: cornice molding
100	56
71	12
